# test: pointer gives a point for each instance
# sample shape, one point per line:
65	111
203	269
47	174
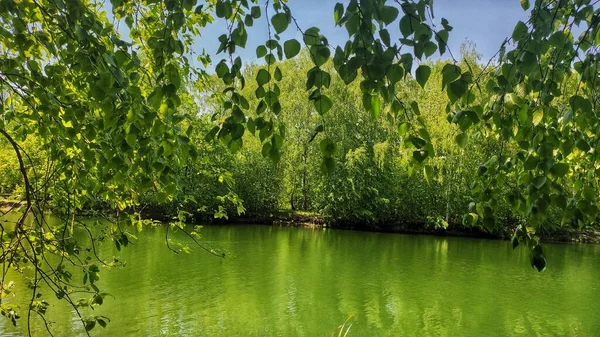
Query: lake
278	281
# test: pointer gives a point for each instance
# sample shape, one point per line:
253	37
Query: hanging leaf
450	72
338	12
263	77
389	14
261	51
291	48
422	74
323	104
372	103
520	31
280	22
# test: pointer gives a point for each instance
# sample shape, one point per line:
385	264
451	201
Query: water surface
306	282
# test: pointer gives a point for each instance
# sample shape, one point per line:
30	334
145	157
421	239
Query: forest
111	112
370	183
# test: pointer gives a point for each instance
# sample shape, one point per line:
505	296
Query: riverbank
311	220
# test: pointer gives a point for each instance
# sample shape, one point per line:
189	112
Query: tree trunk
304	188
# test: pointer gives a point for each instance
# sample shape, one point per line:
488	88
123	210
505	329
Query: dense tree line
371	184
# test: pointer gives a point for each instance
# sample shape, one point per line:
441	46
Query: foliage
112	119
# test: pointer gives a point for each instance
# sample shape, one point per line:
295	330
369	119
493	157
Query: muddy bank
289	219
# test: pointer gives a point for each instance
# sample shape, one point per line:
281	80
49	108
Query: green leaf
529	62
461	139
352	24
131	140
221	69
101	322
579	103
557	39
280	22
583	145
403	128
255	12
560	169
538	116
328	165
525	4
422	74
406	26
522	114
395	73
338	12
291	48
223	9
442	38
261	51
385	37
347	75
428	173
261	107
429	48
457	89
560	201
327	147
210	136
539	181
188	4
89	325
531	163
276	108
263	77
520	31
239	36
278	76
470	219
389	14
415	107
589	193
312	36
450	72
419	143
238	115
248	20
266	149
323	104
319	54
372	103
538	260
420	155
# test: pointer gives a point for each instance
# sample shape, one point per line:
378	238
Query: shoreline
286	219
310	220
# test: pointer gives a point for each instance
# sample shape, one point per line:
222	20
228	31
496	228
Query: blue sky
485	22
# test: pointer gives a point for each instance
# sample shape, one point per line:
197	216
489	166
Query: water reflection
305	282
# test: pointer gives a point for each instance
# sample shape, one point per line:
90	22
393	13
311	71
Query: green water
304	282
